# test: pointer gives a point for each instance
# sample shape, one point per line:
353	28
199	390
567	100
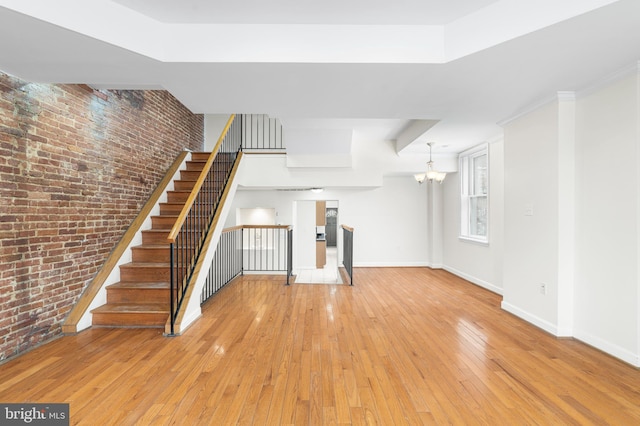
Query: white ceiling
372	65
335	12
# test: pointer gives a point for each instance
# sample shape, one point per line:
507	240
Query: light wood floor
403	346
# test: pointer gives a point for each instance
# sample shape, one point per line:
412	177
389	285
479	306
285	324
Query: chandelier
431	174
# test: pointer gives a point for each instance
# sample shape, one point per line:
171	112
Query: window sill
477	241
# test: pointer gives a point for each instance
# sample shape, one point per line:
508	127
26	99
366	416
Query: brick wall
76	166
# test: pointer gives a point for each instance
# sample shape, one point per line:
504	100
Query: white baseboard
609	348
390	265
264	273
474	280
189	319
598	343
533	319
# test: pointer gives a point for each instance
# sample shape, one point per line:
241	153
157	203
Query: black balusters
347	251
188	235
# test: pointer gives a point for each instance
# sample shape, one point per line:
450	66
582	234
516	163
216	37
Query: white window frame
467	187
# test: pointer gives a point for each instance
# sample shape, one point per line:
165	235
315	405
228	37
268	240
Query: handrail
191	229
196	188
346	228
264	226
177	319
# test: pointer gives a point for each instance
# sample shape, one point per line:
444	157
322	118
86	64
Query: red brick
71	182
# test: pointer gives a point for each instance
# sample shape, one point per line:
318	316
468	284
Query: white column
435	225
566	212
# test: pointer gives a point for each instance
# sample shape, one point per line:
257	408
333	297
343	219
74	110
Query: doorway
331	227
323	217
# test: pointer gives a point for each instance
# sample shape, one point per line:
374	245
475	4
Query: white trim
598	343
610	79
495	139
473	280
465	160
476	148
637	196
530	318
566	96
284	273
477	241
609	348
556	97
585	91
393	265
189	319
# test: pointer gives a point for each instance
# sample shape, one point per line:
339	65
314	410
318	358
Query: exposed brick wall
76	166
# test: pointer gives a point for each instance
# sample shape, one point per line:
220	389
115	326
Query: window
474	194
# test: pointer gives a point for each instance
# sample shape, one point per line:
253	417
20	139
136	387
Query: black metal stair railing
189	233
226	263
264	248
289	254
249	248
261	133
347	251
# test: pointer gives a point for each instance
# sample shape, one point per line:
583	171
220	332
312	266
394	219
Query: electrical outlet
543	288
528	209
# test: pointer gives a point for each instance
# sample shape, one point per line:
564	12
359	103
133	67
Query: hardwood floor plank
404	346
302	413
340	398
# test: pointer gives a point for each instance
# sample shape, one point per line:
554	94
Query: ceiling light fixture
431	174
317	190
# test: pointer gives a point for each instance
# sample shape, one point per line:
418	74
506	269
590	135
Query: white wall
607	258
390	221
575	163
213	127
531	216
481	264
255	216
304	234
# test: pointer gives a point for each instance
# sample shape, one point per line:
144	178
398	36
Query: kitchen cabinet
321	254
321	243
321	219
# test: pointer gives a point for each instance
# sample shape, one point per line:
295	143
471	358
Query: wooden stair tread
145	265
152	246
133	308
138	300
168	215
134	285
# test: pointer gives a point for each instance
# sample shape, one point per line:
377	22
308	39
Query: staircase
141	297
